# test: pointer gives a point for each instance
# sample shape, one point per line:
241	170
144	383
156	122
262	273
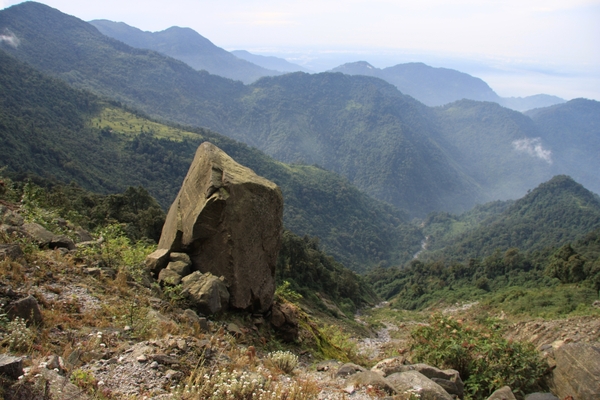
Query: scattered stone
26	308
229	220
349	389
169	277
10	366
233	329
165	359
577	371
157	260
61	241
154	365
504	393
327	365
53	362
10	217
12	251
389	366
40	235
349	369
173	375
142	358
372	379
180	267
416	382
206	292
180	257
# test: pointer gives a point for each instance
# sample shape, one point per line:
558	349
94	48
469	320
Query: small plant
284	292
234	385
85	380
284	360
484	359
20	337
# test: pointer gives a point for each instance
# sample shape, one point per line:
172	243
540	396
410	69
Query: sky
519	47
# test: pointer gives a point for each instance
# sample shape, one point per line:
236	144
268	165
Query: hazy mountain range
431	86
391	146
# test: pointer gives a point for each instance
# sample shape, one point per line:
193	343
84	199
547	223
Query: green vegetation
106	148
485	360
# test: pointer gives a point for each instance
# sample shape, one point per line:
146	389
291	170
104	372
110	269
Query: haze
519	48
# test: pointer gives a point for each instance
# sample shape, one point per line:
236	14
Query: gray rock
169	277
450	387
577	371
180	267
504	393
229	220
389	366
206	292
12	251
10	217
10	366
370	378
40	235
415	382
61	241
182	257
26	308
327	365
157	260
349	369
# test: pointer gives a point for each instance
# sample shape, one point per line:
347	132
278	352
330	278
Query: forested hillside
573	132
556	212
56	132
520	255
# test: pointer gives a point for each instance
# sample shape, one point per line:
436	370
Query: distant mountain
440	86
269	62
530	102
360	127
500	148
186	45
556	212
59	133
431	86
572	130
389	145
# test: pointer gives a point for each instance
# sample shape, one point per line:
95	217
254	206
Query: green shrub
485	360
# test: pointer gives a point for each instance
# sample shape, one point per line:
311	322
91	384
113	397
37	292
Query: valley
419	233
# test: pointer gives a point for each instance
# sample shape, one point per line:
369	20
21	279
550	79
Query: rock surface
26	308
577	371
504	393
207	292
419	384
229	221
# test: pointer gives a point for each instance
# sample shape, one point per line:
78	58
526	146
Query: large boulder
229	221
577	371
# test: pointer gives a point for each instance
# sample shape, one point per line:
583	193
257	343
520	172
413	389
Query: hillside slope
54	131
556	212
573	131
186	45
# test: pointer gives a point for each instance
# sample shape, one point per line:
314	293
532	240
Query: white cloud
534	148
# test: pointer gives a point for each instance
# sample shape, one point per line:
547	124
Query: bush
485	360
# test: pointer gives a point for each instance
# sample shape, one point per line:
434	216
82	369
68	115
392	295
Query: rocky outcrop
577	371
229	221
